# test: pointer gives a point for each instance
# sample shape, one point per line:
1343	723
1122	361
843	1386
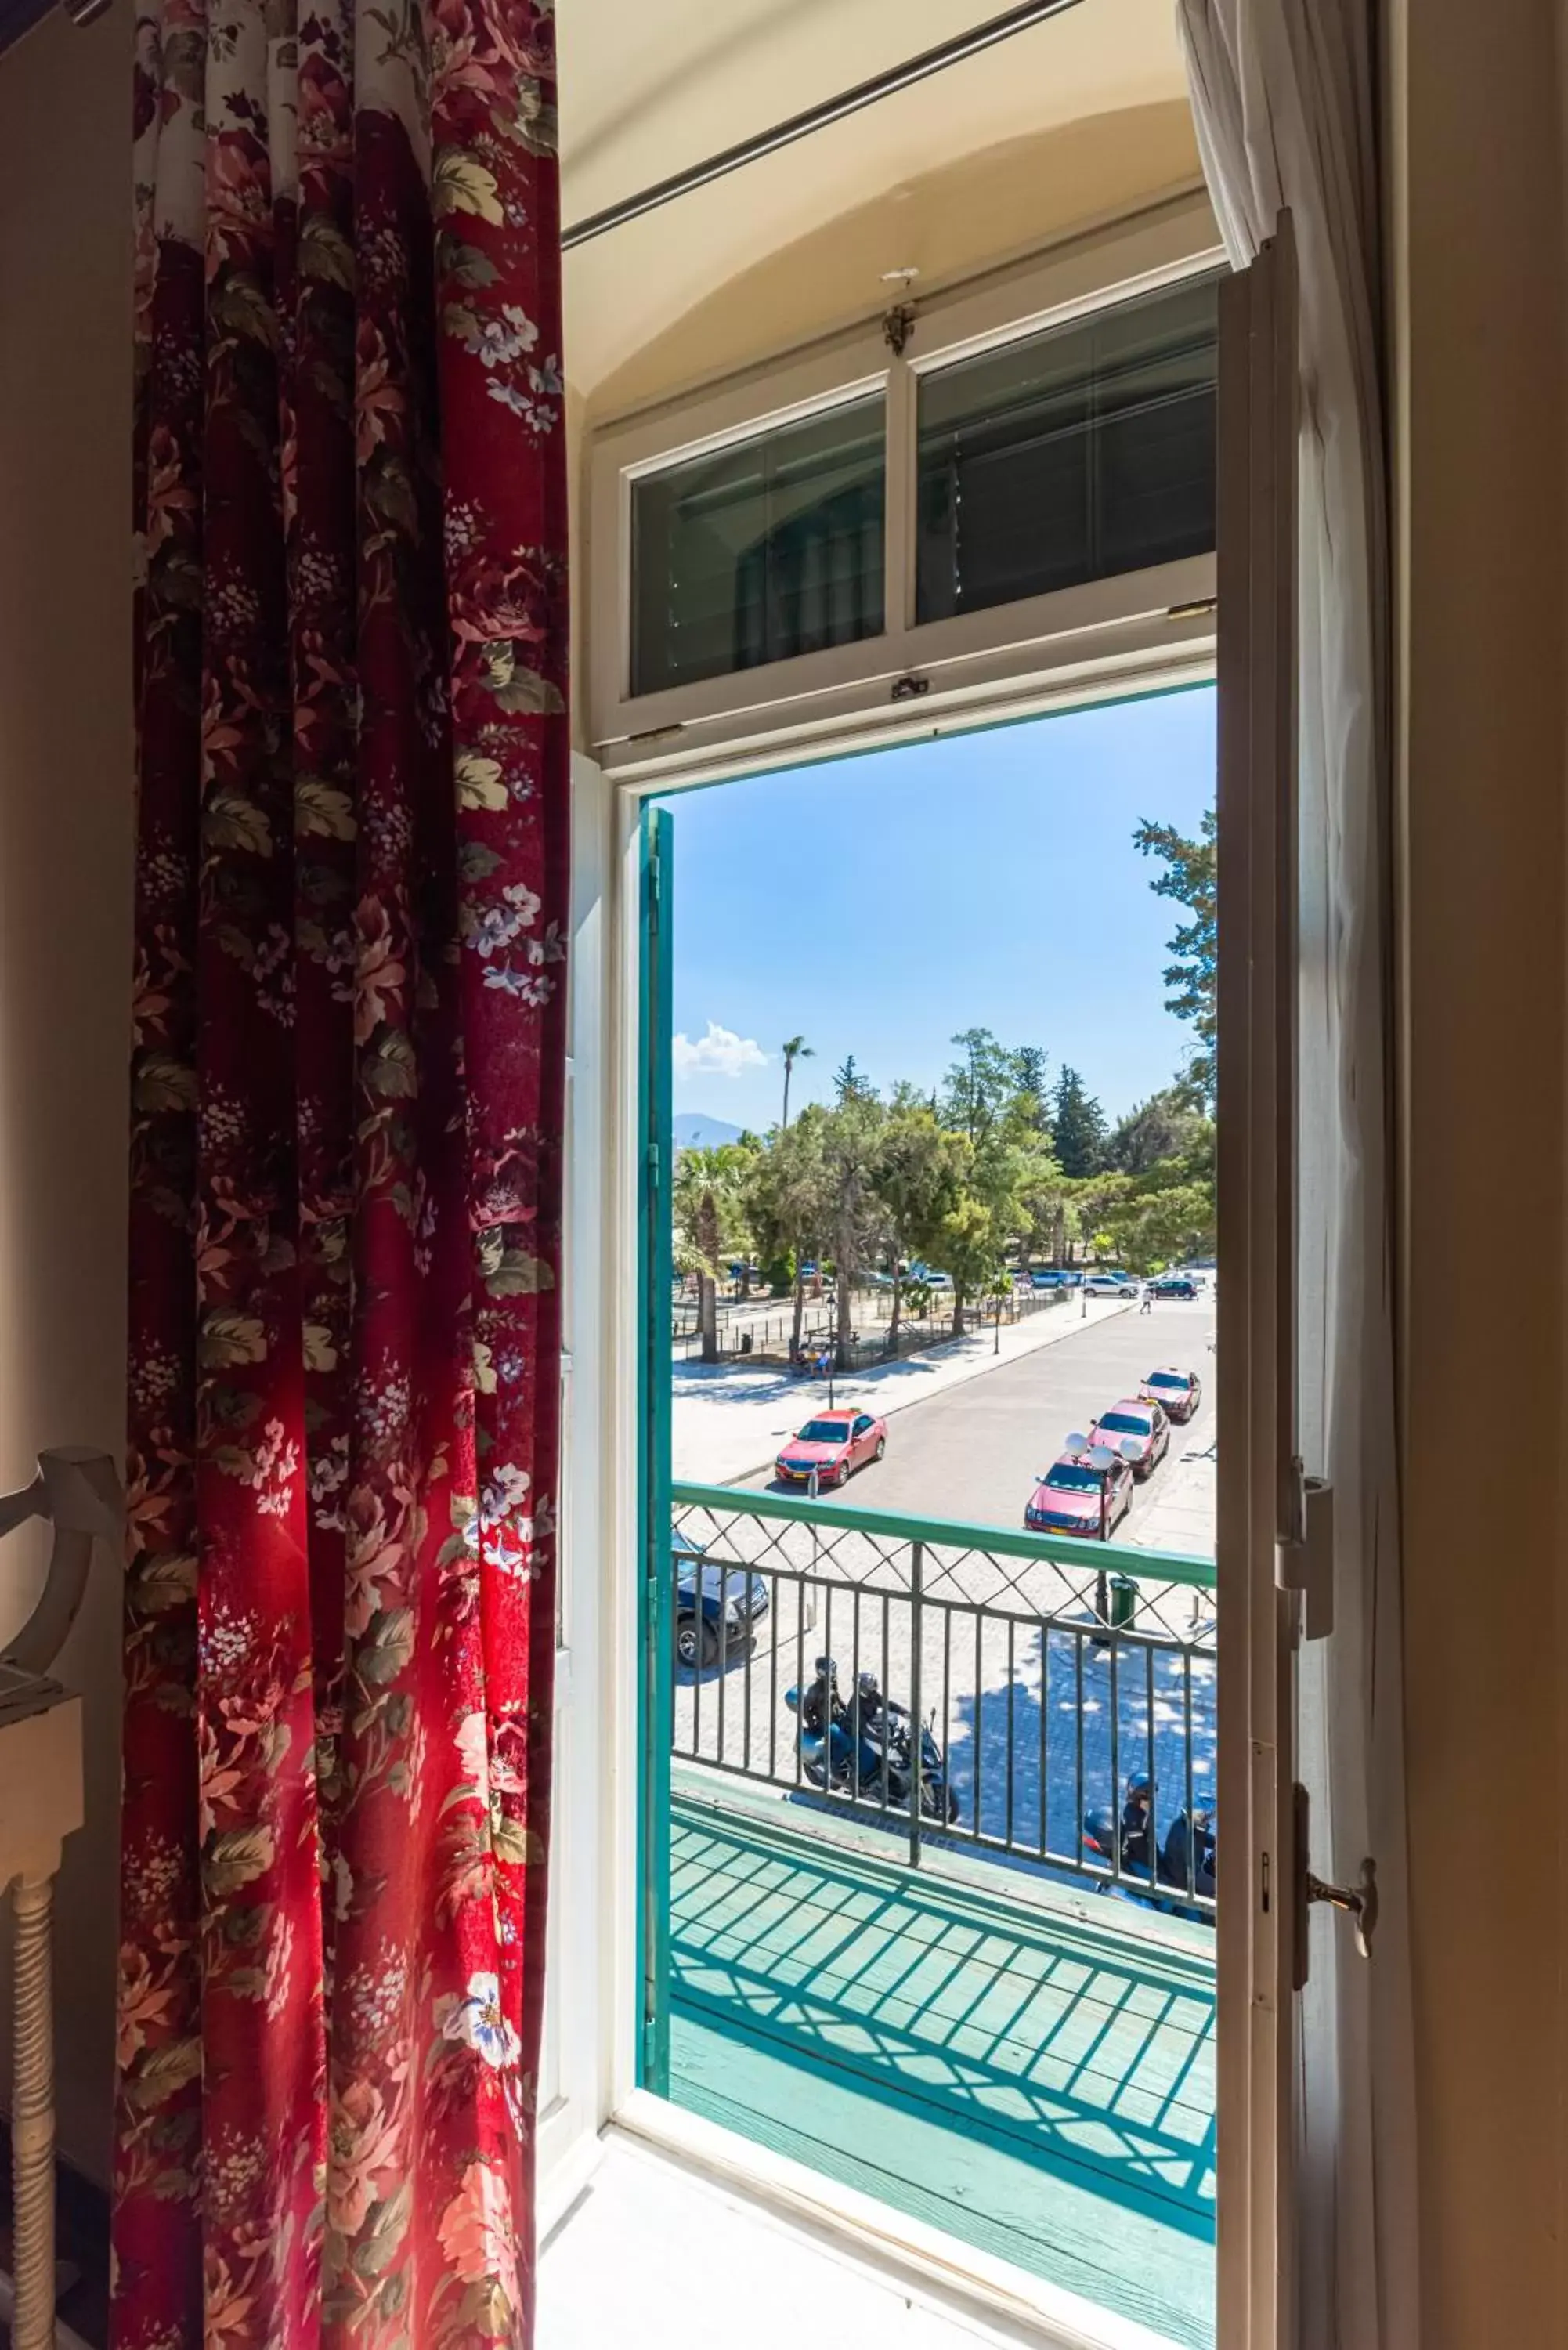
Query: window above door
1025	487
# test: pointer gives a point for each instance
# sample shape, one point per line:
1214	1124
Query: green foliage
982	1086
792	1049
1162	1214
1190	878
778	1272
1164	1126
709	1198
1077	1126
985	1174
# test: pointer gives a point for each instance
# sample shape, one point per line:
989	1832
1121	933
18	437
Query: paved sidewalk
1180	1516
728	1423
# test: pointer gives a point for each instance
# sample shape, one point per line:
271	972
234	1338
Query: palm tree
795	1048
706	1200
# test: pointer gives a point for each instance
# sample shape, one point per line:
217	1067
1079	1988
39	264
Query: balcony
953	1986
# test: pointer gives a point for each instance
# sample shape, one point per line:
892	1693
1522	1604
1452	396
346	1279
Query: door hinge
1359	1901
1304	1557
655	893
649	2045
650	1160
899	328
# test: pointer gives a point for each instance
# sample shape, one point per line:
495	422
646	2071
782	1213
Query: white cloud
719	1053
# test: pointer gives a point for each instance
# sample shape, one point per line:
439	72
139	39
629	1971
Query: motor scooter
1189	1846
863	1748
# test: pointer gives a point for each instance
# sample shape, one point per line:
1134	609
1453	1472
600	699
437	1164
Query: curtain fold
347	1076
1285	103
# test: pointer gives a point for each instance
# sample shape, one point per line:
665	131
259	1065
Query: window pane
1070	456
760	551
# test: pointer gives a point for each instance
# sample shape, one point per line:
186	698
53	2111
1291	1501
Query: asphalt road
1037	1718
973	1452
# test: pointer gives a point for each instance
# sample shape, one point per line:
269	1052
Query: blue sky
878	905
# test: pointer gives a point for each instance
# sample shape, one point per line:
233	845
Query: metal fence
1048	1674
762	1337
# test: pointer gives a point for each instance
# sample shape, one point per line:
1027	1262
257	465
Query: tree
1078	1126
917	1178
1190	878
709	1223
794	1048
1044	1204
851	1136
1163	1214
792	1203
969	1248
982	1086
1161	1127
847	1079
1029	1077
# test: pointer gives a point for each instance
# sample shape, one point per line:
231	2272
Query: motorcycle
1190	1846
865	1748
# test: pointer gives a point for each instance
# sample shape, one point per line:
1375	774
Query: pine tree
1190	877
1029	1077
1078	1127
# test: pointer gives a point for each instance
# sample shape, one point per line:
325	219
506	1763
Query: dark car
1173	1285
713	1605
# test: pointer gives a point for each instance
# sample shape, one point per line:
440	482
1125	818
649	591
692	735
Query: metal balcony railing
1048	1676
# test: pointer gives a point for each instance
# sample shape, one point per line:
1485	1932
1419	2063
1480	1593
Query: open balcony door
1259	1486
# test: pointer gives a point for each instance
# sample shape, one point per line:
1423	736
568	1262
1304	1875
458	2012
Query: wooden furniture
40	1805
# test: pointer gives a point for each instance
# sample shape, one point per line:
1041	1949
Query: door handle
1359	1901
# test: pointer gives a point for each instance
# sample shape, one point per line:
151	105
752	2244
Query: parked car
834	1444
1178	1393
1175	1285
1049	1276
1142	1426
1110	1284
1085	1492
713	1605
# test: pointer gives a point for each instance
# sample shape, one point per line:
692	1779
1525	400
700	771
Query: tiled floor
1035	2082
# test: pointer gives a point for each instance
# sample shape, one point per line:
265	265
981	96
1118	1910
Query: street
1036	1716
973	1453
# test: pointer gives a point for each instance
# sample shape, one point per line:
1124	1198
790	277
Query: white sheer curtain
1284	98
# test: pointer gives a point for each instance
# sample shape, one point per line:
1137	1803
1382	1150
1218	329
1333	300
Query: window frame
1101	635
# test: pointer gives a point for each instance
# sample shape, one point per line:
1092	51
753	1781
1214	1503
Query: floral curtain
345	1171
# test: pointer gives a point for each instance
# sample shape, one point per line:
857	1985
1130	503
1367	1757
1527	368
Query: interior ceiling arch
647	90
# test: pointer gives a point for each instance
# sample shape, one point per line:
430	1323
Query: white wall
65	895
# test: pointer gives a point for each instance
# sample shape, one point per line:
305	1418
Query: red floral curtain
345	1171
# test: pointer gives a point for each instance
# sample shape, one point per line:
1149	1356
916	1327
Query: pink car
1085	1492
833	1445
1140	1432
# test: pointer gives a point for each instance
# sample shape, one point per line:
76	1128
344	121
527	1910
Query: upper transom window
1021	489
1067	456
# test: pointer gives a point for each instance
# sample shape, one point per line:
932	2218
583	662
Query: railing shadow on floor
1004	2030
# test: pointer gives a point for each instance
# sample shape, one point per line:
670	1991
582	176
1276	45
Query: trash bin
1116	1604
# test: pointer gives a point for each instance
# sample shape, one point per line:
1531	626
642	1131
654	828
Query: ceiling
651	86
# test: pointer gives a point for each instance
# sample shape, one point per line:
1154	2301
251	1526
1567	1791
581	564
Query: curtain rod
817	117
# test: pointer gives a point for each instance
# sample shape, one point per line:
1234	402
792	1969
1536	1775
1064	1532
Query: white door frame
595	1900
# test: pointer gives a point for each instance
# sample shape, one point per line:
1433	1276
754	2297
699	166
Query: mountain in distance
692	1130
